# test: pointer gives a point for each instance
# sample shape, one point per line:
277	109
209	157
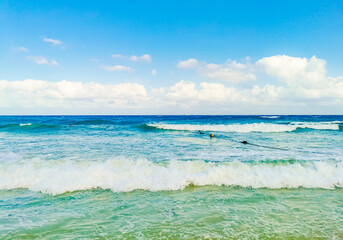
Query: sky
171	57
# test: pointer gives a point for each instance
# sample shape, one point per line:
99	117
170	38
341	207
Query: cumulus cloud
185	92
118	68
65	94
309	73
305	78
267	94
42	60
118	56
230	71
298	82
143	58
134	58
94	60
295	81
54	42
20	49
32	93
188	64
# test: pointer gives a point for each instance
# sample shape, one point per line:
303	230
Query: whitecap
56	177
249	127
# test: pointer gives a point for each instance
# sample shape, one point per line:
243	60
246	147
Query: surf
125	175
28	127
249	127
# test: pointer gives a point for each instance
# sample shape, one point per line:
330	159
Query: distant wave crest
250	127
270	117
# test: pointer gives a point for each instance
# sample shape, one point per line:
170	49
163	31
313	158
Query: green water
195	213
157	177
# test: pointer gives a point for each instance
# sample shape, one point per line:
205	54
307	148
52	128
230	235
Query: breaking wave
250	127
270	117
123	175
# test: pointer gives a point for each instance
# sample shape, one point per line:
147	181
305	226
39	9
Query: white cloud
215	92
118	68
154	72
42	60
53	62
295	80
118	56
267	94
188	64
54	42
305	78
134	58
20	49
310	73
32	93
187	94
143	58
292	83
183	91
231	71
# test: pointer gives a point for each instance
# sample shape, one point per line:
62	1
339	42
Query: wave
250	127
270	117
27	126
92	122
149	128
123	175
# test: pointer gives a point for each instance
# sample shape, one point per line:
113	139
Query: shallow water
156	176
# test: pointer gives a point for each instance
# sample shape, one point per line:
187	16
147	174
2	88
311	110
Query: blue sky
236	46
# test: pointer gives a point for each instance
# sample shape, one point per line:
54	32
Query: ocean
164	177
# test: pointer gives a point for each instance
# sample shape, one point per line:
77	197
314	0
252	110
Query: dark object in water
245	142
201	132
211	135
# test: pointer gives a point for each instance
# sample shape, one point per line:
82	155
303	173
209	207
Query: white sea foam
56	177
25	124
250	127
271	117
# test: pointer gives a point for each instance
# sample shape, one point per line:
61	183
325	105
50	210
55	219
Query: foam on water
271	117
56	177
59	154
25	124
250	127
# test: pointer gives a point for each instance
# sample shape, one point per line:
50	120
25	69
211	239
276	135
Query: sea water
146	177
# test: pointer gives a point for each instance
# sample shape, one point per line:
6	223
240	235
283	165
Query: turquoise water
144	177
